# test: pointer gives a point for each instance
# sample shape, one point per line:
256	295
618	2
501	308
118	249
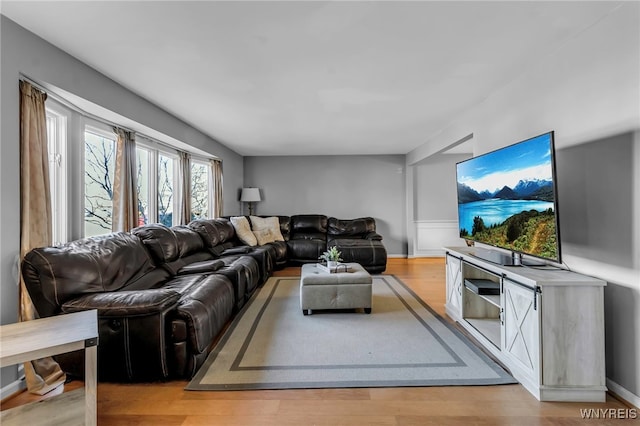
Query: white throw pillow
243	230
266	229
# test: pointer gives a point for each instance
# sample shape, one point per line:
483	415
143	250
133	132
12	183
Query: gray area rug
403	342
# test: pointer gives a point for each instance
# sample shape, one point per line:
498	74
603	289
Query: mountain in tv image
536	189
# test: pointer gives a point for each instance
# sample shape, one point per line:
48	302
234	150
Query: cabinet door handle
536	290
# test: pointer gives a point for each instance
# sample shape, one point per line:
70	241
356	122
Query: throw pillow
266	229
243	230
264	236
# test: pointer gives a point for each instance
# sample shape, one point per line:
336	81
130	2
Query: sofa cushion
351	227
370	253
226	231
214	231
243	230
306	223
305	249
168	244
160	240
266	230
188	240
54	275
208	231
280	250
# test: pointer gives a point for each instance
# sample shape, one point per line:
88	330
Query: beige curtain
216	172
184	177
42	375
125	193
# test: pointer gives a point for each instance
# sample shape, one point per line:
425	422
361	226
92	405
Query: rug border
504	377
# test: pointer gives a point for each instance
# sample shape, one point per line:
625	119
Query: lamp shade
250	194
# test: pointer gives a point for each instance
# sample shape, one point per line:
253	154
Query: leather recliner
181	251
163	295
220	240
308	238
151	325
358	242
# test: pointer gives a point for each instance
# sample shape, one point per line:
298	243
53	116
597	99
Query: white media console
546	325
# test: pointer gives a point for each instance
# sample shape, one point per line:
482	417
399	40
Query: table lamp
250	195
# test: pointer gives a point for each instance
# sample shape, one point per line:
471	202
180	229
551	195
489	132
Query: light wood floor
168	404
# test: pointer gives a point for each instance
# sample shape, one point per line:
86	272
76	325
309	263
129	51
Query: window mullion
153	186
177	190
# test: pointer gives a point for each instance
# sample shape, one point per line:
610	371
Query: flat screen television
507	199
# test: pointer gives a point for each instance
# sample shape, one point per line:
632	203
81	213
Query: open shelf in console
481	302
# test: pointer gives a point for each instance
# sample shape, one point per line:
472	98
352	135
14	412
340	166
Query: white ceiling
307	78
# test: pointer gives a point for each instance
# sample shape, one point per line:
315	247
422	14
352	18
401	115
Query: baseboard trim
622	393
396	256
12	388
429	253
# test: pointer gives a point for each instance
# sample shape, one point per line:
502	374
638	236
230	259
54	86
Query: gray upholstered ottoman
340	290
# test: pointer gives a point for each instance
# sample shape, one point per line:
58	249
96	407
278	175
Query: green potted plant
332	257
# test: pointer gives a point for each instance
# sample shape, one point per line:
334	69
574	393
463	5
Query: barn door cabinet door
453	304
521	330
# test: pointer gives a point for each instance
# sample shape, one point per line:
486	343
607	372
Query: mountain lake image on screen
507	198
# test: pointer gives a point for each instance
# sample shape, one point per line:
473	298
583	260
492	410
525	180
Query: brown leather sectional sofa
164	295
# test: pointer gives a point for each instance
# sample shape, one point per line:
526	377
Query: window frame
103	130
152	201
58	180
69	188
210	186
173	155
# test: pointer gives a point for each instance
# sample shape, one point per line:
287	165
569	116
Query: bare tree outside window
199	191
142	159
99	168
99	179
165	189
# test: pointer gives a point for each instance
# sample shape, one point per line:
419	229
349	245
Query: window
143	158
200	190
167	165
82	154
57	148
99	168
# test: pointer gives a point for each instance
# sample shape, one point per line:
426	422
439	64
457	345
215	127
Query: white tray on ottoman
320	289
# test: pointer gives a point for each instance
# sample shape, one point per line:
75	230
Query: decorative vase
332	265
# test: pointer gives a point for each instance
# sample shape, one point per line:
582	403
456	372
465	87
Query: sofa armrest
236	250
133	327
204	267
125	303
373	236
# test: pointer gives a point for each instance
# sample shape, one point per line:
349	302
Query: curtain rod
72	106
65	102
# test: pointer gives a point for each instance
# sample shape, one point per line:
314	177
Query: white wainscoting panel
432	235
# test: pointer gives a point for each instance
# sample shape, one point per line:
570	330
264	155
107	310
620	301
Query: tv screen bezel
554	177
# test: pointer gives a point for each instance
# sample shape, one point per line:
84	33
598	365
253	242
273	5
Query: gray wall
597	188
594	108
595	194
435	186
23	52
345	187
